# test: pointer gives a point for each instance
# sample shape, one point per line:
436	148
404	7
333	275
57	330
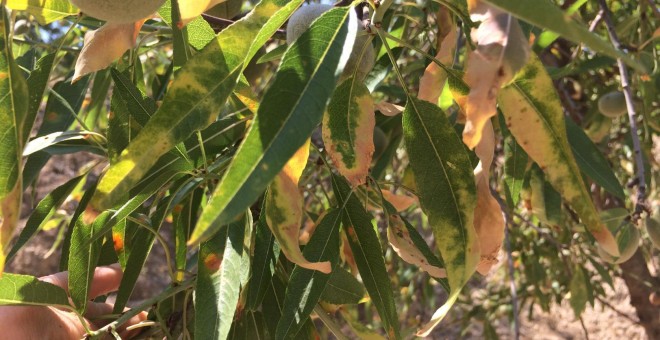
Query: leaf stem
146	304
640	204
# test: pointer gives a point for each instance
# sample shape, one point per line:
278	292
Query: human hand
40	322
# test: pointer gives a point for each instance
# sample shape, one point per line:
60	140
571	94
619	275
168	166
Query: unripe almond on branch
612	104
118	11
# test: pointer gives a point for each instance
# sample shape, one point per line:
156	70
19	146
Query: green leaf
198	33
342	288
45	11
578	289
83	257
37	82
194	99
305	285
447	193
266	252
13	109
348	130
515	164
251	326
535	118
28	290
290	110
218	281
591	161
547	15
42	213
368	253
66	243
548	37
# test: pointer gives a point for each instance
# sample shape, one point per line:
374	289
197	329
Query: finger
106	280
97	310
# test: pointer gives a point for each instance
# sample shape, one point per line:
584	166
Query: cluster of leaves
222	142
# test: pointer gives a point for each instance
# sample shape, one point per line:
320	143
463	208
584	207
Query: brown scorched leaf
105	45
284	210
191	9
501	51
434	77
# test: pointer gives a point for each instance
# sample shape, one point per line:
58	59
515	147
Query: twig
509	258
640	204
608	305
584	329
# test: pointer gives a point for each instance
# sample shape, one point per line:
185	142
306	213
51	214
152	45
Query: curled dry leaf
400	240
284	210
434	78
105	45
501	51
488	219
190	9
400	202
389	109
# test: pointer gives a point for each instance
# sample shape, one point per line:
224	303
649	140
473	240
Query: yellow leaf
105	45
501	51
488	219
284	210
434	78
191	9
399	238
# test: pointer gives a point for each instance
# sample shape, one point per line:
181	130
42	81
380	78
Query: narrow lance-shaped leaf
534	116
42	213
547	15
218	281
13	109
284	210
348	129
488	219
194	99
83	257
368	255
266	252
501	51
515	164
37	82
342	288
591	161
290	110
305	286
444	180
28	290
402	243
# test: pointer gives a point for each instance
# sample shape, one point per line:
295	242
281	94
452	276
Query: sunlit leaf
348	128
433	80
290	110
218	280
534	116
13	108
194	98
28	290
191	9
45	11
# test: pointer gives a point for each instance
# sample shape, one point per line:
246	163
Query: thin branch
584	329
640	204
509	256
608	305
